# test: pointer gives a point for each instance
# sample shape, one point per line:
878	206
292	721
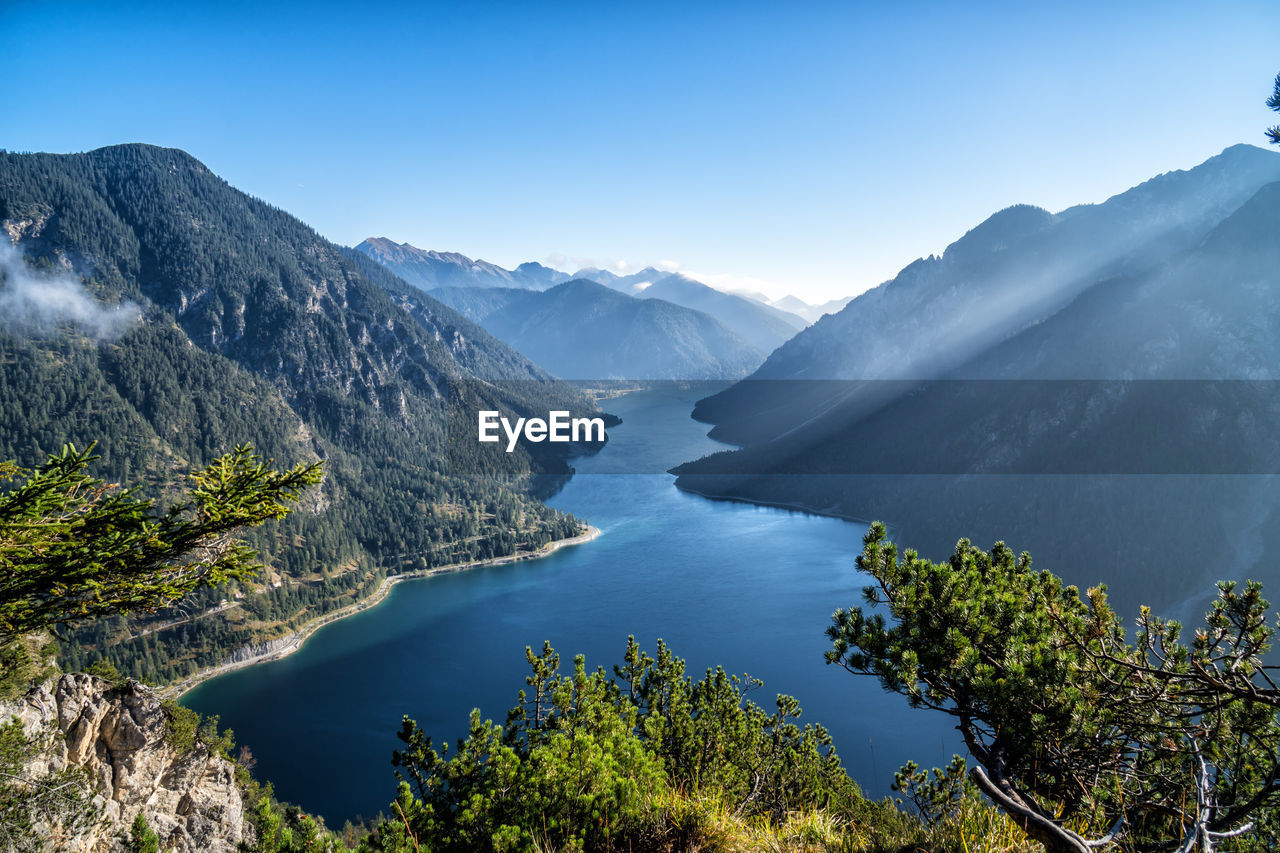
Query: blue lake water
748	588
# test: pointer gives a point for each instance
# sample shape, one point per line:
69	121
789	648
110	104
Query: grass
705	823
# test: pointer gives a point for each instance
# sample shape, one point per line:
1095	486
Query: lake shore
787	505
284	646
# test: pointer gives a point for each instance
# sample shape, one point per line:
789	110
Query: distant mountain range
429	270
810	313
1026	385
763	325
585	330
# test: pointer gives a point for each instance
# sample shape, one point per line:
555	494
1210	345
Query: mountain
541	277
153	308
561	328
1014	269
764	327
476	303
1127	384
832	306
810	313
585	330
428	270
631	284
449	273
595	274
793	304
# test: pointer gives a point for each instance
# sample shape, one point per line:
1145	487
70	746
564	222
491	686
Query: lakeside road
284	646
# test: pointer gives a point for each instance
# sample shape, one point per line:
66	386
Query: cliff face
118	734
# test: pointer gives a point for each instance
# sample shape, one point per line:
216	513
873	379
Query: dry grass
704	823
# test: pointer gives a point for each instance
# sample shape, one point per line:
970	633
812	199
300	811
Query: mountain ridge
1049	435
762	324
1014	268
582	329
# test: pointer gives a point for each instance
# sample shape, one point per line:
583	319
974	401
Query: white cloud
727	282
573	263
731	283
34	302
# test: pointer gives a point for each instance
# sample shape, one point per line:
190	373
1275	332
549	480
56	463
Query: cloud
568	263
34	302
729	283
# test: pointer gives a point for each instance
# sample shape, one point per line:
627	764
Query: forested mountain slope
1144	399
584	330
250	327
1018	267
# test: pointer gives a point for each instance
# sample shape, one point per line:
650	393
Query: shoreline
791	506
290	643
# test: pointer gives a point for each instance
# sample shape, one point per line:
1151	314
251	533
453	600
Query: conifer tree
73	548
1081	736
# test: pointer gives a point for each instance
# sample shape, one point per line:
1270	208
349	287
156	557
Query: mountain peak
583	329
429	269
143	148
586	286
1243	149
998	231
380	243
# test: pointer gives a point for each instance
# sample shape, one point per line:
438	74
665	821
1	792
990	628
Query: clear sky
811	148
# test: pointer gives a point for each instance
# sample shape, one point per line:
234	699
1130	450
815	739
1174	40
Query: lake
744	587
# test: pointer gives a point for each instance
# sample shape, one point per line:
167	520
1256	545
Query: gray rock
118	734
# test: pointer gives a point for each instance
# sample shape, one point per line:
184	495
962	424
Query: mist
34	302
1017	268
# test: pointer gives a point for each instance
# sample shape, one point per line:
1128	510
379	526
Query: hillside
241	324
584	330
476	303
750	315
637	343
765	328
1019	266
1138	397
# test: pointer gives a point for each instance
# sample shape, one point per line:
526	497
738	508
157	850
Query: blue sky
807	148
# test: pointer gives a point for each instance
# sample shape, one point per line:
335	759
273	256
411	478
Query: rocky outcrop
118	734
256	651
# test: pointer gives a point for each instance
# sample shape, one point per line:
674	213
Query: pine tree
73	548
142	838
1076	731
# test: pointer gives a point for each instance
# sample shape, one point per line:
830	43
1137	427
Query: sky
804	148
